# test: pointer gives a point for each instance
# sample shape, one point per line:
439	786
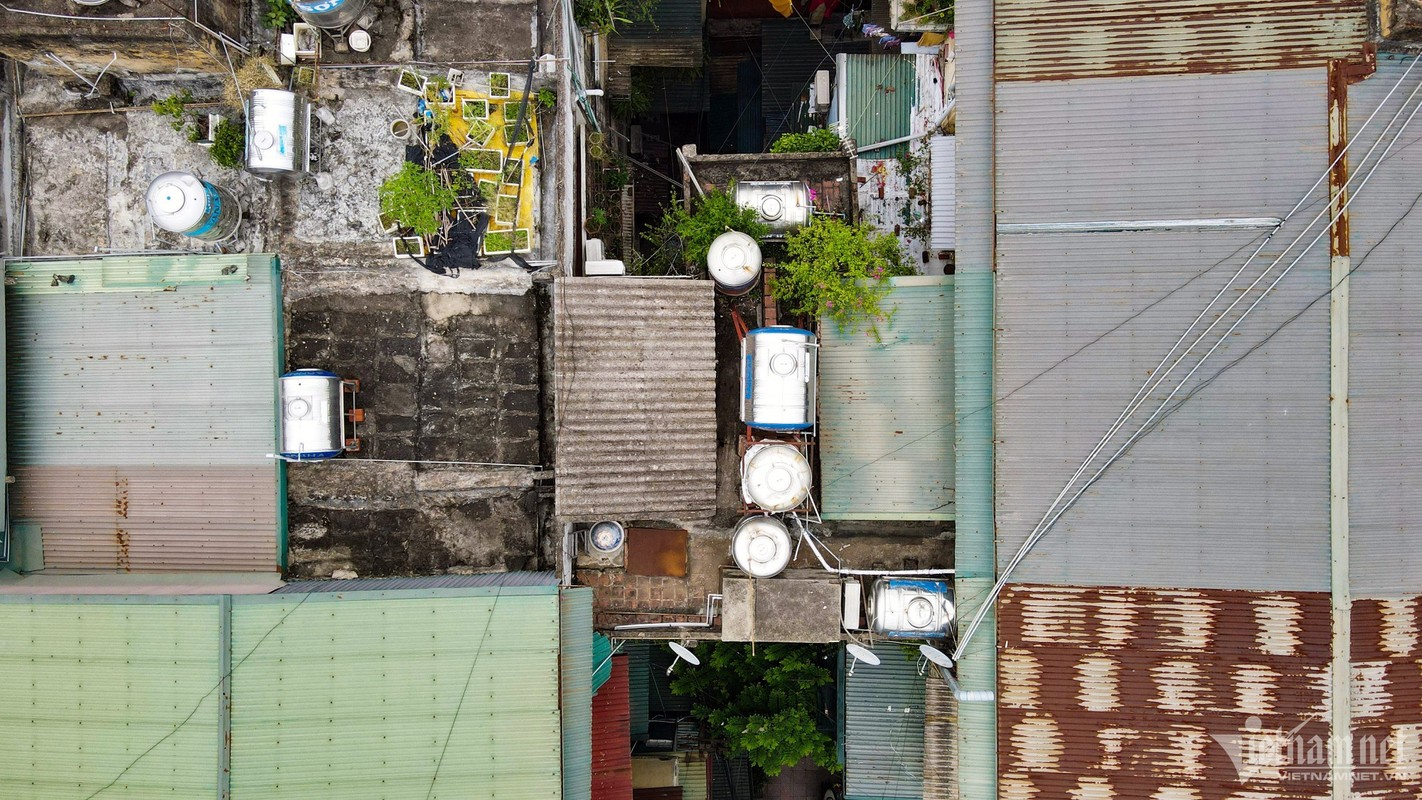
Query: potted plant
411	82
499	84
506	210
471	108
408	246
480	132
482	161
513	171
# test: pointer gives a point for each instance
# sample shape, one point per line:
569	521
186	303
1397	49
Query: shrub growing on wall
837	270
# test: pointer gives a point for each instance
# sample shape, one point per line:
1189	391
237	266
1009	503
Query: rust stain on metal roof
1060	39
1387	698
1086	711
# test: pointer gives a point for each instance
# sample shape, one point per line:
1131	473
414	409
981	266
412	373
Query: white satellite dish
861	653
945	665
682	654
935	655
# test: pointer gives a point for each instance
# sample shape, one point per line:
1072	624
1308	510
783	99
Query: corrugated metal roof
1127	693
1231	489
639	687
886	409
345	693
789	58
672	38
940	746
422	582
883	726
575	631
943	209
90	686
1384	370
635	383
142	421
1053	39
694	785
1386	696
879	93
612	737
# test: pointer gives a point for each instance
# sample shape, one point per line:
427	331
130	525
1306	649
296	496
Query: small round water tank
277	124
778	378
606	537
311	415
775	477
330	13
734	262
784	206
184	203
761	547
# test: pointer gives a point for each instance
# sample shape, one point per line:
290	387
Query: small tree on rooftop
837	270
820	140
418	198
695	230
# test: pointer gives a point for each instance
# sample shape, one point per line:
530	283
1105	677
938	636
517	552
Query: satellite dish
935	655
945	665
682	654
861	653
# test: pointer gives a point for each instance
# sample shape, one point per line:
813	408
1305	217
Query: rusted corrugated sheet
1055	39
635	387
1387	698
1135	693
940	747
612	737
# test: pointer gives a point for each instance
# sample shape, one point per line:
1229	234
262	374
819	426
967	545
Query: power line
468	678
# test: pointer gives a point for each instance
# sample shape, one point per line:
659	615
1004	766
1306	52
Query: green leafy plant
278	14
712	216
605	15
929	13
229	145
506	209
417	197
820	140
174	107
597	220
837	270
498	84
506	241
481	160
915	223
546	98
474	109
513	171
763	701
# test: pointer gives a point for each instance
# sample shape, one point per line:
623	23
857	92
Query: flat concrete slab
486	30
798	606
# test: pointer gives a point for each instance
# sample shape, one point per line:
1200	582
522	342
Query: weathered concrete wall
86	38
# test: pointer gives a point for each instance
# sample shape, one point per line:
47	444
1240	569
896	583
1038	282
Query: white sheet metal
944	201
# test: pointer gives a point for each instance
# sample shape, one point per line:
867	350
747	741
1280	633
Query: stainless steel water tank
785	206
911	608
312	415
775	477
761	547
184	203
734	262
330	13
778	366
278	129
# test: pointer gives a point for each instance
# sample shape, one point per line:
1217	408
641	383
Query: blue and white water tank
182	202
278	132
332	14
778	378
312	415
911	608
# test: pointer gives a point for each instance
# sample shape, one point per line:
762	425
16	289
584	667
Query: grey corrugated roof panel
1385	351
421	582
635	378
883	727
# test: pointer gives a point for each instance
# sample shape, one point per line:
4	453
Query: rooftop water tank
785	206
312	415
778	378
734	262
184	203
911	608
278	129
761	547
775	477
607	537
330	13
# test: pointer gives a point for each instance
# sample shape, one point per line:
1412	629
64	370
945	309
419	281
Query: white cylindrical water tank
761	547
775	477
312	415
734	262
911	608
184	203
778	378
277	126
330	13
785	206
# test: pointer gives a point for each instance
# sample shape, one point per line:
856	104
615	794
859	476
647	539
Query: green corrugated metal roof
883	727
575	626
91	686
886	409
880	91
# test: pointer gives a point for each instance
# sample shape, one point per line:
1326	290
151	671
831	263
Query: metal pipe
809	539
686	165
711	601
911	137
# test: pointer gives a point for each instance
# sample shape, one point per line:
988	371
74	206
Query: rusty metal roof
1387	693
635	388
1129	693
1057	39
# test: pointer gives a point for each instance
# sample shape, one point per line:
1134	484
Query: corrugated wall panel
91	686
1385	350
612	737
1053	39
576	663
1387	698
142	424
639	687
881	90
635	380
694	785
789	59
336	693
883	727
1129	693
943	206
1175	147
1230	488
886	409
